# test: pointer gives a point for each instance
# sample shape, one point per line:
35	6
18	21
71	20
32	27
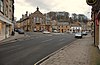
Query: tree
82	18
67	15
74	17
70	20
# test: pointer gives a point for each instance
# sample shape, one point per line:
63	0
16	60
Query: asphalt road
30	51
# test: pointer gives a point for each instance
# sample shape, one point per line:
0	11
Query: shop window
6	11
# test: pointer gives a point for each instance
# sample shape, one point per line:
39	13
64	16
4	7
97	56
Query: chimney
22	16
26	14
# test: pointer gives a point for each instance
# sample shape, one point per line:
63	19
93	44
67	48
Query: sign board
91	2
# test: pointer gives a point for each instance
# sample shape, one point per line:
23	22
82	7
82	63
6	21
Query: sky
71	6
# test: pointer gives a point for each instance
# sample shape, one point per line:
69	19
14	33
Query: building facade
95	17
59	21
6	18
63	27
32	22
38	22
97	29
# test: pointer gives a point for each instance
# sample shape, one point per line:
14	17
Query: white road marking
49	35
61	39
47	40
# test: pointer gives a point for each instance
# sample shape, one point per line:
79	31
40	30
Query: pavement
77	53
13	38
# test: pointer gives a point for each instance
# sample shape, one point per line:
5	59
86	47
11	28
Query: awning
4	19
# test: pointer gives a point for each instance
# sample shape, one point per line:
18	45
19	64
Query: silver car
78	35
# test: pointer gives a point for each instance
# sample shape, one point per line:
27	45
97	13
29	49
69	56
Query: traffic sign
91	2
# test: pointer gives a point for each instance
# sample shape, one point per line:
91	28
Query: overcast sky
71	6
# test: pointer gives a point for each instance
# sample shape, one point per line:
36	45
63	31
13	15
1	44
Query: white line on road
61	39
47	40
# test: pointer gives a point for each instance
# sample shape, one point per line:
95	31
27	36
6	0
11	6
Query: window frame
1	6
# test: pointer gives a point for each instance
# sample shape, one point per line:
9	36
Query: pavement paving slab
77	53
13	38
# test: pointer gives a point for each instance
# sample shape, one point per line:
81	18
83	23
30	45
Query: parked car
78	35
35	30
55	31
84	33
20	31
46	32
16	30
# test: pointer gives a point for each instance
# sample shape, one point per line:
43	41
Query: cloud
43	4
71	6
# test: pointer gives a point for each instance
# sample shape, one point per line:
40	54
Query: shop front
2	30
5	28
98	24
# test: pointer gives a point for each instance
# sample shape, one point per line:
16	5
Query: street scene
34	32
30	50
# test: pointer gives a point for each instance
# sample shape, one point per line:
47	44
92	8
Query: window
6	12
10	3
7	0
34	19
37	19
9	10
40	20
1	5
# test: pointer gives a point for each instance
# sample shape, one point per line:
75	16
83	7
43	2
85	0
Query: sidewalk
13	38
77	53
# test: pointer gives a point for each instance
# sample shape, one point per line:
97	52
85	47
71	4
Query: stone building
59	21
76	27
23	23
38	20
6	18
96	19
32	22
63	27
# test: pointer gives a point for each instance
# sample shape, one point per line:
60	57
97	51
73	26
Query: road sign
91	2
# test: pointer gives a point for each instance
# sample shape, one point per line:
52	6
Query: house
76	27
32	22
